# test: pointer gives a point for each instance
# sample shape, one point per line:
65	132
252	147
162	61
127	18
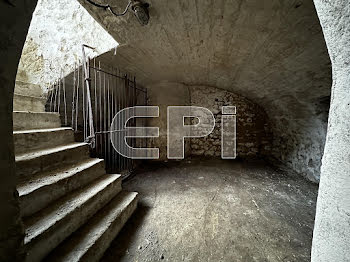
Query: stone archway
14	19
332	230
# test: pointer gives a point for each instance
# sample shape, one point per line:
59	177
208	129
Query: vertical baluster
83	101
77	100
134	104
146	103
115	112
55	95
120	158
104	116
52	95
124	105
108	121
95	83
73	96
59	95
110	129
64	99
95	102
100	122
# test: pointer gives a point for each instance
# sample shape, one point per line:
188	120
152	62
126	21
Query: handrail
91	137
93	95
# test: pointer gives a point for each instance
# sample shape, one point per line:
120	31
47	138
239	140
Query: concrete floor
217	210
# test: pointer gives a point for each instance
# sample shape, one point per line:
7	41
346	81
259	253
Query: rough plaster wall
166	94
298	142
270	51
253	137
14	24
56	34
331	241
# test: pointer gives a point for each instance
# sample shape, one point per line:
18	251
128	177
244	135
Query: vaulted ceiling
272	51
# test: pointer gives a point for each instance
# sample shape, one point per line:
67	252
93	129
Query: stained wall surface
272	52
332	231
253	133
54	42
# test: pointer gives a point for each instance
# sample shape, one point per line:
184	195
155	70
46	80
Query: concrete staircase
71	209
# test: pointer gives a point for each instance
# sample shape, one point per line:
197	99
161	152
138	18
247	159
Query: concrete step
28	89
23	120
43	189
91	241
49	159
49	227
32	140
28	103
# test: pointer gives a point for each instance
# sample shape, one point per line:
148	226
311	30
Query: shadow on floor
119	246
216	210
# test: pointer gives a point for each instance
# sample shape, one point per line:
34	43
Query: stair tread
46	218
83	239
28	102
49	177
28	88
43	130
33	140
39	153
33	119
30	112
32	97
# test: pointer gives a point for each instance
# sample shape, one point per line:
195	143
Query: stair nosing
117	212
42	130
39	227
33	112
95	232
35	97
47	151
67	173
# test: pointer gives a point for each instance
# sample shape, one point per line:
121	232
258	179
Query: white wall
56	34
331	237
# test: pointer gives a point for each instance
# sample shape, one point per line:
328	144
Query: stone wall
253	131
54	42
298	144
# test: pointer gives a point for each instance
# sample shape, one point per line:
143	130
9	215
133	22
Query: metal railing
88	99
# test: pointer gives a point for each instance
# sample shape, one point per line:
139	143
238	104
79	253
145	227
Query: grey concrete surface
270	51
30	103
215	210
32	163
331	240
49	227
61	188
27	89
170	94
32	140
25	120
90	242
43	189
